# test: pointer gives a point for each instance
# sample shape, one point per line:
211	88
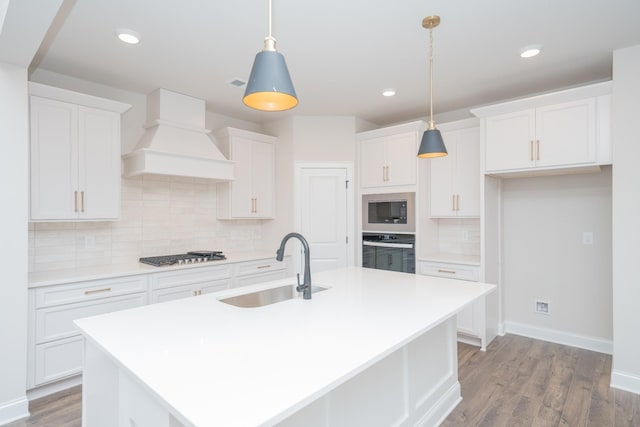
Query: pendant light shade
269	87
432	144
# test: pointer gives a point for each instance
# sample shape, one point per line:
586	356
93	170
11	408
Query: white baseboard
14	410
47	389
574	340
625	381
442	408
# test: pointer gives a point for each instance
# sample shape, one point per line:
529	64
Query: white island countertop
210	363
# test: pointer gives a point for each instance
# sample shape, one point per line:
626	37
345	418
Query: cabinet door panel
401	154
99	163
509	140
57	322
441	178
372	162
566	133
467	175
241	192
58	359
262	183
54	152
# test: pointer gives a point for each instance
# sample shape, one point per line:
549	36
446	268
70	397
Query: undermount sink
268	296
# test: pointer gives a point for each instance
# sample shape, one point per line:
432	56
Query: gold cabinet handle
531	150
75	201
446	271
96	291
82	201
255	204
384	173
457	202
264	266
537	149
453	202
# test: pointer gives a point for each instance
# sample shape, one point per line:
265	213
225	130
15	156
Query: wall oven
395	252
392	212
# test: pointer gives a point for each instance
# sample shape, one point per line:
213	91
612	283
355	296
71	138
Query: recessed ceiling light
389	92
530	51
128	36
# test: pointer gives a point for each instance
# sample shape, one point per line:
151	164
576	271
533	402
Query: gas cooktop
188	258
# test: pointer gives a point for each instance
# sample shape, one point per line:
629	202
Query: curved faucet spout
306	284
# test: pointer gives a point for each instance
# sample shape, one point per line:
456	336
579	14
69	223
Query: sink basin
268	296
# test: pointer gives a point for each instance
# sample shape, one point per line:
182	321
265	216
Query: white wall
304	138
626	214
544	256
14	155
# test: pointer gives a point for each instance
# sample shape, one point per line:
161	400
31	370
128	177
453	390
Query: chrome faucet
306	283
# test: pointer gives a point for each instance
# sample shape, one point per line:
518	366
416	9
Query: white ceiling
342	53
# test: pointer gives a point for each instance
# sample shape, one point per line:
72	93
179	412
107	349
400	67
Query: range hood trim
175	141
148	161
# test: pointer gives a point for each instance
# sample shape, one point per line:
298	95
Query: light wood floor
517	382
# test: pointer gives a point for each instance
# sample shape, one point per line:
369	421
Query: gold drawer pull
75	201
82	201
531	150
95	291
264	266
446	271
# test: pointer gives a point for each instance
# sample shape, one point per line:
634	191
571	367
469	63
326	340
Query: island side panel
99	388
415	385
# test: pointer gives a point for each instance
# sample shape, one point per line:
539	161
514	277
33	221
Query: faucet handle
298	288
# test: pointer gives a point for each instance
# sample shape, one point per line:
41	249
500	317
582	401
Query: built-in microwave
393	212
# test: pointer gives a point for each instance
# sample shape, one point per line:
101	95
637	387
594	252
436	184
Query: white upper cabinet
251	194
454	180
551	134
75	156
388	156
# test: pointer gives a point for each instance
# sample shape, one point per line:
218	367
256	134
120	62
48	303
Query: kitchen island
375	348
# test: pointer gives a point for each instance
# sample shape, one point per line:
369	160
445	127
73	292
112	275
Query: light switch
587	238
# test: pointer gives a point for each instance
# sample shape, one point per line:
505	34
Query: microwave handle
388	245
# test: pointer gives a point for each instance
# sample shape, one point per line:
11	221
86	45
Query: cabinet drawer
86	291
57	322
186	277
452	271
261	278
185	291
58	359
259	266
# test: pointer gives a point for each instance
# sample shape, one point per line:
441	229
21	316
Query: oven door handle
388	245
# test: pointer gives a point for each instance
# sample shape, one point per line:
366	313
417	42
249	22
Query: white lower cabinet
176	284
55	343
258	271
55	346
471	321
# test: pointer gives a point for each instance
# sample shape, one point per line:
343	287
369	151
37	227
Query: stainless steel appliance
188	258
393	212
395	252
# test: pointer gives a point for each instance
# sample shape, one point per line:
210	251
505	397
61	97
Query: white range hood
176	141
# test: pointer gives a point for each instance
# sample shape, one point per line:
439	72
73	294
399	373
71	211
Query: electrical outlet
89	242
542	307
587	238
465	235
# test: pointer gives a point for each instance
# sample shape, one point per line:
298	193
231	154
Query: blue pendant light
432	144
270	87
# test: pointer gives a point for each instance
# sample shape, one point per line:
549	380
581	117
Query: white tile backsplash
160	215
459	236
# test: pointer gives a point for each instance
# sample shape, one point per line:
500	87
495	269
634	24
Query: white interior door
326	215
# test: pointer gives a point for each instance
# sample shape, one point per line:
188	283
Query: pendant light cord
269	41
431	124
270	19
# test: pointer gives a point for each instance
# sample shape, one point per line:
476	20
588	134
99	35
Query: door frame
299	166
